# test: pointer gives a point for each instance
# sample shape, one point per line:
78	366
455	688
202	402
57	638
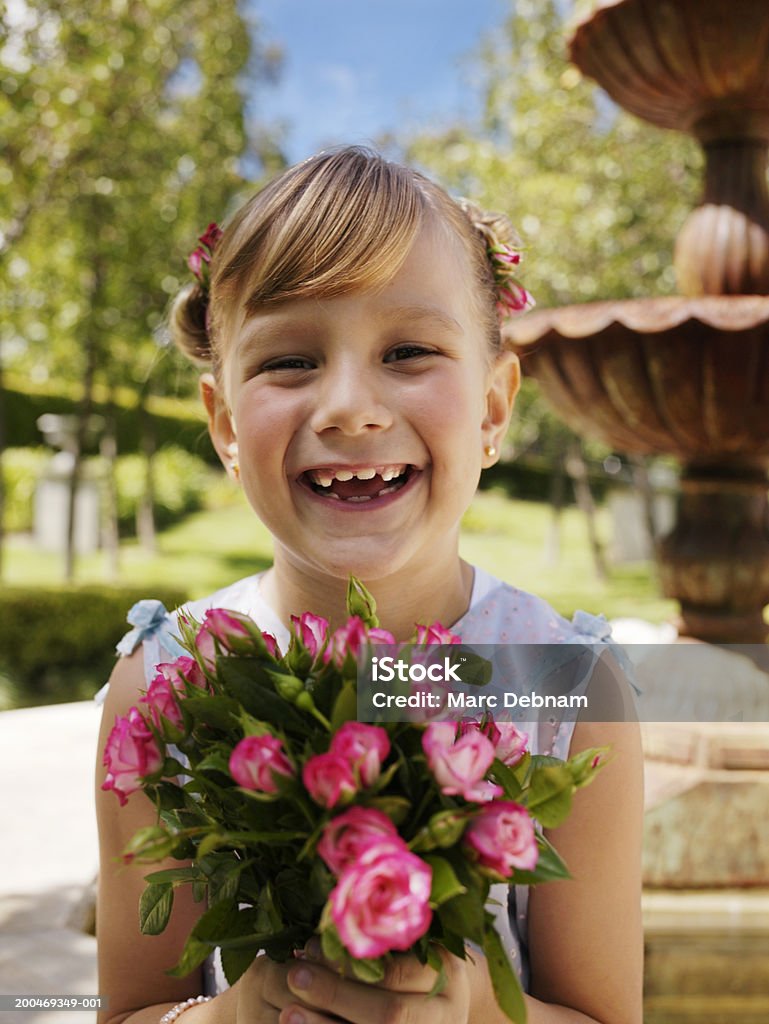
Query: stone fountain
688	376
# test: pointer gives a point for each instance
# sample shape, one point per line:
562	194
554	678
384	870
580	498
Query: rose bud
255	762
436	634
312	630
328	779
364	746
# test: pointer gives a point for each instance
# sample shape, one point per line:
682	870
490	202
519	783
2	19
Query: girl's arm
132	966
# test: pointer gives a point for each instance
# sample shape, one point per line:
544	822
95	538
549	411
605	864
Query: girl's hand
264	996
322	995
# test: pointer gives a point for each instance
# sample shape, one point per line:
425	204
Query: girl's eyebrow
274	326
416	313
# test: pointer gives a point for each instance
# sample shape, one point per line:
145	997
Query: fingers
337	996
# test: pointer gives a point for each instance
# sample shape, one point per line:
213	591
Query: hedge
59	644
22	410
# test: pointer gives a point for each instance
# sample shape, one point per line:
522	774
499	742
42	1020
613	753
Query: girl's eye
401	352
287	363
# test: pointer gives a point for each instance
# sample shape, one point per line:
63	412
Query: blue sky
354	69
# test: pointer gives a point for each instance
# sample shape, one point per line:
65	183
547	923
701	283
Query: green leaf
504	980
331	945
345	706
435	960
174	876
193	955
370	971
395	807
237	961
257	696
217	922
507	779
464	915
216	712
155	908
445	884
549	868
549	795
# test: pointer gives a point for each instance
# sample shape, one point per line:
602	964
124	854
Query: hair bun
189	324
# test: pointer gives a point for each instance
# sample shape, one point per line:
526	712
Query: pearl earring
234	468
490	451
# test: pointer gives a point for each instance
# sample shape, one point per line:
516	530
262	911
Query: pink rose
436	634
255	762
130	755
511	745
328	779
502	837
364	746
486	727
312	630
162	699
184	670
196	261
271	644
346	837
353	637
459	764
382	901
224	630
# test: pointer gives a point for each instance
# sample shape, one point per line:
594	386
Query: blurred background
127	127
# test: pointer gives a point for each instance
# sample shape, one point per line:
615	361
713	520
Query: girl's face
360	421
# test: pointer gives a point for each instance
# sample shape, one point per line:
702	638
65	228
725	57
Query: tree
126	136
597	195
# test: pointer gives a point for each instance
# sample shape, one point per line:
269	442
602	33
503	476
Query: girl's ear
503	383
220	425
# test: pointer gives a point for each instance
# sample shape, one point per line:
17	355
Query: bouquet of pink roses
295	819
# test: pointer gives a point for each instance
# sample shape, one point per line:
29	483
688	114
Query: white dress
499	614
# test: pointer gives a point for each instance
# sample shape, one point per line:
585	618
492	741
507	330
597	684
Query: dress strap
153	628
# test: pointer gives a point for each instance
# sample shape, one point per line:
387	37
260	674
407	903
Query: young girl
358	387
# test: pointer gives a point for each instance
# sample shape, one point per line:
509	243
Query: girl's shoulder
155	629
500	613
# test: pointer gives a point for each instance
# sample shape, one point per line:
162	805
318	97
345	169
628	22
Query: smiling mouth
360	485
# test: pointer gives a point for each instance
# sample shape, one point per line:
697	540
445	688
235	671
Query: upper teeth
324	477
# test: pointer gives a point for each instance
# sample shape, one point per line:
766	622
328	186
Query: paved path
48	856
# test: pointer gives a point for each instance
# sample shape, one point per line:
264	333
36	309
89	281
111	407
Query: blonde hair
340	222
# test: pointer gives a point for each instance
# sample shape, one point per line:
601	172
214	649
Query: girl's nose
348	400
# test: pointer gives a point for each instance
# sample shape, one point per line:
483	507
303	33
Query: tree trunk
2	475
557	500
643	486
108	449
91	349
577	470
145	512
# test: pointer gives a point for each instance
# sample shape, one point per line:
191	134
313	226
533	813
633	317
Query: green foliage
597	194
181	482
123	136
58	645
173	422
21	469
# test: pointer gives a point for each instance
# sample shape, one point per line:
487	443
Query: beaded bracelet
178	1010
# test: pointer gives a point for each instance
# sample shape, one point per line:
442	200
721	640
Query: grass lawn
508	538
